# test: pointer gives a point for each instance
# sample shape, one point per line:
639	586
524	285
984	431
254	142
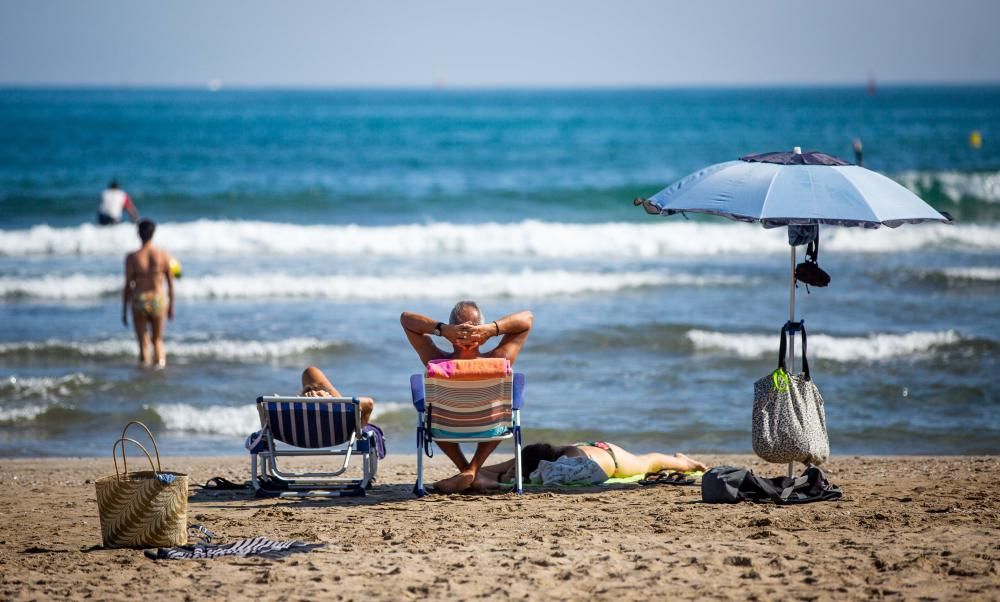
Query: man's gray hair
459	309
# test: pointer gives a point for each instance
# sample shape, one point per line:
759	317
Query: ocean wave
656	237
839	349
65	288
954	185
226	350
975	274
21	414
228	420
48	388
526	283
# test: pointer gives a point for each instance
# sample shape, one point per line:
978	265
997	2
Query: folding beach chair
310	426
467	401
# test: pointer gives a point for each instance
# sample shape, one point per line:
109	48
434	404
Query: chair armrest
518	391
417	391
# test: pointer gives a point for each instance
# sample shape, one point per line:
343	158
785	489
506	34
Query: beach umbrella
794	189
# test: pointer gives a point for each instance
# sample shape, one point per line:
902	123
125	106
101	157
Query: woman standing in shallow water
145	271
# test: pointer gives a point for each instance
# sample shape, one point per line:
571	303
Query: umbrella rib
767	195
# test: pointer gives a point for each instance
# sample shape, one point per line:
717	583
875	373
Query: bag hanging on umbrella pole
789	421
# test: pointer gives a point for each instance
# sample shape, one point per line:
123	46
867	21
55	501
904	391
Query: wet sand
908	528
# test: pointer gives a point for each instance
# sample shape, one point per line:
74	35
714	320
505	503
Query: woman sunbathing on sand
614	460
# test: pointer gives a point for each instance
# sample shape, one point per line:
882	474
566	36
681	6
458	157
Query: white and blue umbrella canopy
793	188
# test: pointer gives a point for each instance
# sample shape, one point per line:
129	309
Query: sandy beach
912	528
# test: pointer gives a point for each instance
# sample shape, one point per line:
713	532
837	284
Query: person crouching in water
115	201
145	272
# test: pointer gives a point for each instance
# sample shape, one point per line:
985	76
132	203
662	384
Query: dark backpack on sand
727	485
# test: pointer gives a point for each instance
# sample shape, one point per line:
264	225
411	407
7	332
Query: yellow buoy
175	267
975	139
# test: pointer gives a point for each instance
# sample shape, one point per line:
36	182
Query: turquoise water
308	220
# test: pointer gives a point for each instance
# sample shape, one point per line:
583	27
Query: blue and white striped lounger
311	426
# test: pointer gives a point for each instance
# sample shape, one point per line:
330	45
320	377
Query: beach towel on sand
253	546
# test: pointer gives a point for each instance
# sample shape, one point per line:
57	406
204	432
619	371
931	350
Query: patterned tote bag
789	422
143	508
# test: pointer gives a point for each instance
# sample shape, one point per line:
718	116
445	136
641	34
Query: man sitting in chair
316	384
466	332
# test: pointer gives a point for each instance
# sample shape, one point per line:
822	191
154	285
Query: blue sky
510	43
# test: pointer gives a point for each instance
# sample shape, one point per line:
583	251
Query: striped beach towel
459	407
253	546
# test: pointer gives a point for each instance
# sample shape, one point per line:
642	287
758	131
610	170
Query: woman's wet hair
459	309
146	229
533	454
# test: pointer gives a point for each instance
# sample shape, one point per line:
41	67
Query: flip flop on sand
666	478
220	483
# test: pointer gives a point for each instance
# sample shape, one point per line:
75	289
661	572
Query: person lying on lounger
316	384
613	461
467	331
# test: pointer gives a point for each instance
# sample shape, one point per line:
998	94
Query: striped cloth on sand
253	546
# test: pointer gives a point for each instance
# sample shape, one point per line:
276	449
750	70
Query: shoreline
908	527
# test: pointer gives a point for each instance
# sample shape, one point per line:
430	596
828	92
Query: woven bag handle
156	450
114	455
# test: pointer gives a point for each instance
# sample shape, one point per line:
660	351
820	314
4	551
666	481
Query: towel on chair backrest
483	367
469	398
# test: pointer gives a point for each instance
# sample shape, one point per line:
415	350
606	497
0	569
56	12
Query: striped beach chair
311	426
467	401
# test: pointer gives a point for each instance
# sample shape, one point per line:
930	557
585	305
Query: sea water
307	221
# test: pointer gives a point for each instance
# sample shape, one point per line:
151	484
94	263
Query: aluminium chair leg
253	472
418	489
518	477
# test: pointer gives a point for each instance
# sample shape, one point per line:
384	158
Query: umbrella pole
791	335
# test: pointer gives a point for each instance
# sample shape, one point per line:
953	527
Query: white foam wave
911	238
956	185
49	388
980	274
231	350
23	413
74	286
528	283
655	237
226	420
839	349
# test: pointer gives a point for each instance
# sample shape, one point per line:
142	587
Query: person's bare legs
313	377
630	464
367	406
313	380
453	484
464	479
159	355
498	471
139	323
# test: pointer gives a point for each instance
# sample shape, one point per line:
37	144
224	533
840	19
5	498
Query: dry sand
908	528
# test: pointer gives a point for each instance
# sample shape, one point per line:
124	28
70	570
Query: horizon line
219	85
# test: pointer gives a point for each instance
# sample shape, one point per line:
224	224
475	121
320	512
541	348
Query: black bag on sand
728	484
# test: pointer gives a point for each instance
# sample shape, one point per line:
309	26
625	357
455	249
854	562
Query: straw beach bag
142	509
789	422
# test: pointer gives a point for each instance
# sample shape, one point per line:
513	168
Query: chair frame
425	439
268	479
